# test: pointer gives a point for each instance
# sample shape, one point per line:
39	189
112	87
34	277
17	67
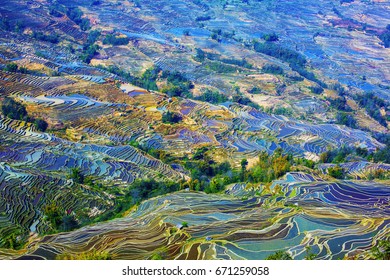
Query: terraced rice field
337	219
116	134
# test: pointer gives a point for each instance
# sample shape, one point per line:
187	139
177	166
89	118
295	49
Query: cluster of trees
6	25
147	80
283	255
139	190
17	111
339	103
177	84
58	219
336	172
212	96
14	240
272	69
307	74
156	153
89	51
92	37
73	13
285	111
207	175
346	119
296	60
115	40
373	104
52	38
385	37
316	89
272	37
212	177
254	90
201	56
220	67
277	51
171	117
381	251
238	62
340	155
243	100
269	168
77	176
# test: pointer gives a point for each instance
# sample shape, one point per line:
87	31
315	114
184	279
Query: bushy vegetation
213	97
220	67
59	220
93	36
171	117
89	51
201	56
177	84
281	53
373	104
17	111
269	168
279	255
52	38
307	74
75	14
243	100
316	89
346	119
272	69
115	40
285	111
13	109
139	190
76	175
339	103
385	37
14	240
272	37
336	172
254	90
147	79
340	155
381	251
41	125
11	67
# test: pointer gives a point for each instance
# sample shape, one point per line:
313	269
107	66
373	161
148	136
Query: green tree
53	215
76	175
336	172
41	125
13	109
11	67
382	250
279	255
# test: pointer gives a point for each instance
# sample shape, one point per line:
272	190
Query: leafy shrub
272	69
279	255
171	117
115	40
13	109
213	97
